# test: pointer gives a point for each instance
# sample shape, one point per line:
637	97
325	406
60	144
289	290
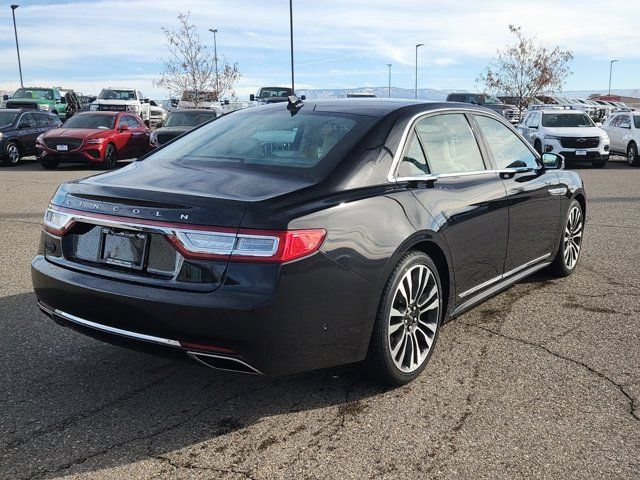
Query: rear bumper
310	314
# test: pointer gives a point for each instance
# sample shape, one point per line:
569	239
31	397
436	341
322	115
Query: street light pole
293	87
418	45
610	71
15	30
215	60
389	65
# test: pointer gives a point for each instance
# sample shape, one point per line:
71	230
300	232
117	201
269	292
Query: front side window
507	149
615	121
449	144
532	121
413	161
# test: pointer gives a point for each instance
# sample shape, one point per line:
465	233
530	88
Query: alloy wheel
573	237
413	319
13	153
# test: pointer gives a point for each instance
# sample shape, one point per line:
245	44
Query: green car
51	100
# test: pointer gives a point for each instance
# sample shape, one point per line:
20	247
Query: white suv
566	131
624	131
125	100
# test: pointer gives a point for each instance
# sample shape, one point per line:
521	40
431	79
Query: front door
535	196
467	201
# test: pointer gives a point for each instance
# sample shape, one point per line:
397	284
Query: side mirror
303	97
5	97
552	161
159	125
252	98
146	100
123	128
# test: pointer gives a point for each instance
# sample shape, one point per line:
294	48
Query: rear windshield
7	118
306	144
555	120
189	119
88	120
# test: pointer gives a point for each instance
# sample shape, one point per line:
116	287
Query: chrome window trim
402	144
503	276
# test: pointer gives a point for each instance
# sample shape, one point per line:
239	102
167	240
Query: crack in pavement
86	414
620	387
104	451
189	466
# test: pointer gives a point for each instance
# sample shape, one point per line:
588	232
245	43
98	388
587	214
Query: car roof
193	110
16	110
375	107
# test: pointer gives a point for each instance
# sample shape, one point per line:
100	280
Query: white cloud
119	33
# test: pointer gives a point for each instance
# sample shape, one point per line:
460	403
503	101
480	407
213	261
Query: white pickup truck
123	99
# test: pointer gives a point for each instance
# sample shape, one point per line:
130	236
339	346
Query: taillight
249	245
56	222
204	242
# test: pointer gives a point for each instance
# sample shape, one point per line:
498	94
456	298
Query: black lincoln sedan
19	129
303	235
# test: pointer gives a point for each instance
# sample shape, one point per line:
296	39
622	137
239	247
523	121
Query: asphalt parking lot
542	381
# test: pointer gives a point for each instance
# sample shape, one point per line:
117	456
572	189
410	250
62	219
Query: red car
100	138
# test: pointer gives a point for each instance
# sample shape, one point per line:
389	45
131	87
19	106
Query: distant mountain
433	94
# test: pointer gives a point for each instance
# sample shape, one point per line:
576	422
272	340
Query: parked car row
96	137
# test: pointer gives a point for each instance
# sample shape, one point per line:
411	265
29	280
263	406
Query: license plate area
581	152
123	248
62	148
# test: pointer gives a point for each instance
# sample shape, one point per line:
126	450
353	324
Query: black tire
599	164
379	362
110	157
537	145
560	267
49	164
11	154
632	155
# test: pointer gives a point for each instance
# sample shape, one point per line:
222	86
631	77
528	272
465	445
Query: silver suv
566	131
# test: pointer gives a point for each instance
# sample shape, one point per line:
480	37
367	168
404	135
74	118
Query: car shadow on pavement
69	403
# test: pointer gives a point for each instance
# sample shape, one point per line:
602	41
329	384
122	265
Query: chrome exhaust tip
229	364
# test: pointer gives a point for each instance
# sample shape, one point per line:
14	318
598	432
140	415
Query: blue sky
339	43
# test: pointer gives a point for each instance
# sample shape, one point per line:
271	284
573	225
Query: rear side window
449	144
507	149
636	121
42	120
413	161
256	139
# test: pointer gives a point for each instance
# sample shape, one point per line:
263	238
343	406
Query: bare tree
191	67
526	69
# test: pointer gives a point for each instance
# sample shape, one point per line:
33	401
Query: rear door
535	195
467	200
